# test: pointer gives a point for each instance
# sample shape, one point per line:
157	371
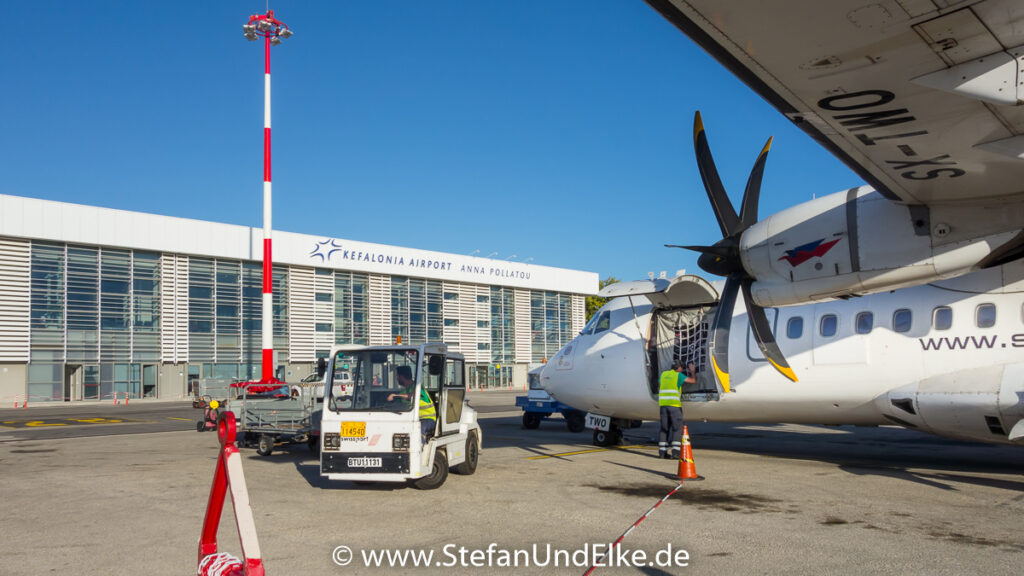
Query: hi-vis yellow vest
668	394
427	410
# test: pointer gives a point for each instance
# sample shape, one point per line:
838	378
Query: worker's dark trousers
427	426
671	431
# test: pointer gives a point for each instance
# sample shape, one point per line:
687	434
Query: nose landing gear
611	437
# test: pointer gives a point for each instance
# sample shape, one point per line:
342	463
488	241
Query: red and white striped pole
272	31
268	266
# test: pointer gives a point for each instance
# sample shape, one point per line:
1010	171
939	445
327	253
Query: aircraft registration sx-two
922	102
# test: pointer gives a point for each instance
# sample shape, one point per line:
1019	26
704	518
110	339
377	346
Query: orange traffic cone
687	469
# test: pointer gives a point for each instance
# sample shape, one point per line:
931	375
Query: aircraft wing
921	98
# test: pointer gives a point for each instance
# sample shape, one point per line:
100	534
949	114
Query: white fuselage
966	381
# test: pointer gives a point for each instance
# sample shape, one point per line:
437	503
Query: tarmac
778	498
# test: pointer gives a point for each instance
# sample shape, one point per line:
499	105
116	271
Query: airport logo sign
323	250
801	254
332	250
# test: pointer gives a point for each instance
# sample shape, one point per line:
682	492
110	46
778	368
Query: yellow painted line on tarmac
185	419
592	451
50	422
577	453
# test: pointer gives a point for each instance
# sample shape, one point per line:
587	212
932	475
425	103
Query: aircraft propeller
723	259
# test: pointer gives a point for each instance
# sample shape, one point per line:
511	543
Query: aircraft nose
549	380
554	383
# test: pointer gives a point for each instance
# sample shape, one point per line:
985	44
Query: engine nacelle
858	242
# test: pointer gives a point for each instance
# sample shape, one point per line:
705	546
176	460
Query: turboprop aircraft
944	358
921	98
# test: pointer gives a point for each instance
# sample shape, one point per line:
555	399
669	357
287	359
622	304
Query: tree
594	303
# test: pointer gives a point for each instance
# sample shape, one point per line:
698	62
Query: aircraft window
985	315
829	325
901	320
865	322
942	318
795	327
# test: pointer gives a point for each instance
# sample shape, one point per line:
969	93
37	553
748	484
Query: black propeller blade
724	212
715	250
723	259
720	330
763	333
751	196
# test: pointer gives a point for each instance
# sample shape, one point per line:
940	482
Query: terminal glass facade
351	308
415	310
502	325
94	313
225	312
114	321
550	323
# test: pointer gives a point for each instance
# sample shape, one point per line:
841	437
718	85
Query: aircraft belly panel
794	403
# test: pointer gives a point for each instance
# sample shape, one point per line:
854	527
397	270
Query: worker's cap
404	372
214	404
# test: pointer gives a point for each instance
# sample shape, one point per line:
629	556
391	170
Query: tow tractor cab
371	431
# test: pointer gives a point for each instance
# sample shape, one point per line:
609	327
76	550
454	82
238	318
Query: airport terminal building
96	301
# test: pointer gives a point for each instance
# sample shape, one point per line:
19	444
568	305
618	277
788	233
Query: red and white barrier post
229	475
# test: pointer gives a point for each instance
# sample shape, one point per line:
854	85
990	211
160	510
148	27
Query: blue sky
555	130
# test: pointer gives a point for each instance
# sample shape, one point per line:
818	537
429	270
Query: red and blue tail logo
801	254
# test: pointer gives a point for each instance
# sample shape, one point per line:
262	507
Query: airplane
943	358
903	296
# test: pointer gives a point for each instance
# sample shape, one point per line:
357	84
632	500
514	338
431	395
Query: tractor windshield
381	381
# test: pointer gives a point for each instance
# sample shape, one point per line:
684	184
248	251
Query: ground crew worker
427	412
671	409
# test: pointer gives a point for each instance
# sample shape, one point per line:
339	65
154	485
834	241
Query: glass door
149	389
478	377
91	382
193	380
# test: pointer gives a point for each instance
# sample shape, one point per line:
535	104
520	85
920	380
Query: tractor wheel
472	456
438	473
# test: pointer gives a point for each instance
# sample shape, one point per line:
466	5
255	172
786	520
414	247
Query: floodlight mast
272	30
